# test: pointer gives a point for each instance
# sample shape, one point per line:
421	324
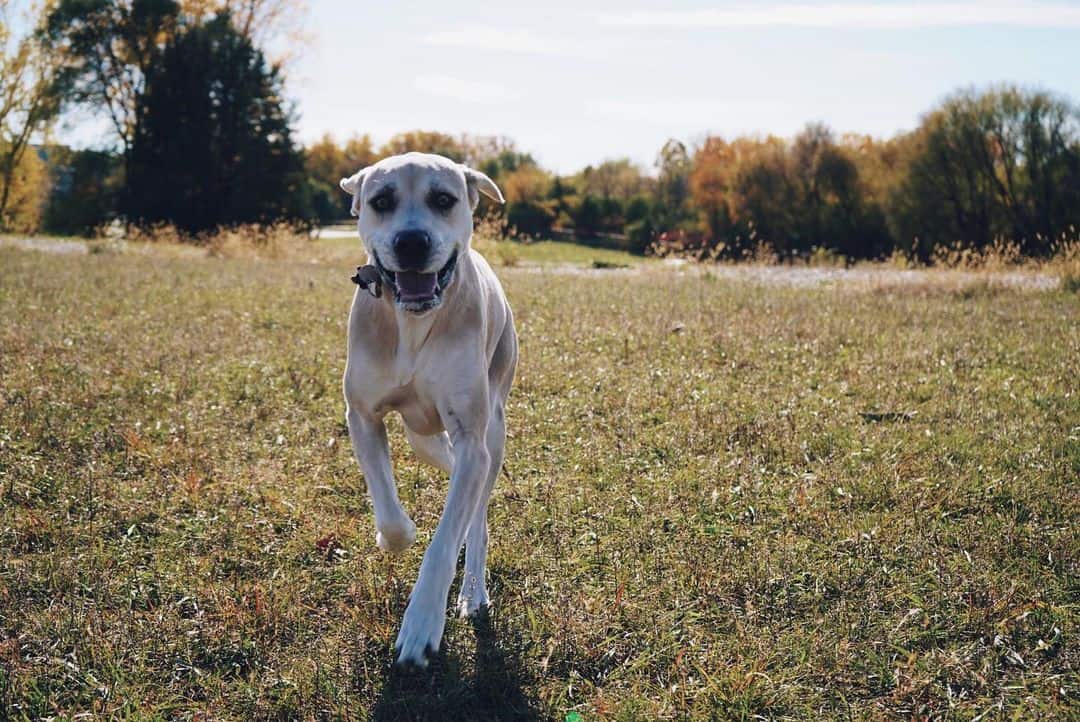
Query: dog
431	336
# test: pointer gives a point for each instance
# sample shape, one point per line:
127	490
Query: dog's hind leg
473	595
394	529
435	450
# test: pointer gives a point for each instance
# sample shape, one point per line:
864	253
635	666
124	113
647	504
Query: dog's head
414	215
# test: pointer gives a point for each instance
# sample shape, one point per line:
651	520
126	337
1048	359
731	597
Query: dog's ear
477	183
352	185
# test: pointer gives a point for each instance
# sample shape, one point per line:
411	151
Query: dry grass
330	246
723	499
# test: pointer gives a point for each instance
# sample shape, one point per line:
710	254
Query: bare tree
274	26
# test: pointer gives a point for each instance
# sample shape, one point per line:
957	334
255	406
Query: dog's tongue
413	286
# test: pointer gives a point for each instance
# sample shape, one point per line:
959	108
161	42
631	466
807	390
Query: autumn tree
326	162
424	141
529	209
711	179
29	101
620	179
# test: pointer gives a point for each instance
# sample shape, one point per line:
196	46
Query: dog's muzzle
414	291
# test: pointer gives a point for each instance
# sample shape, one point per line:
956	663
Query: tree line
203	138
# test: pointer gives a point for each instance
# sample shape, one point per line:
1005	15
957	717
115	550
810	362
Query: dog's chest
408	385
417	409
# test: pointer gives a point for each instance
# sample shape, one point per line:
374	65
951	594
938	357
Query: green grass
572	254
721	501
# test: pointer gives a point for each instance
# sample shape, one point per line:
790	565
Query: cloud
508	40
471	91
858	16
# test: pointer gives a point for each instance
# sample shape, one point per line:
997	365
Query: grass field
722	499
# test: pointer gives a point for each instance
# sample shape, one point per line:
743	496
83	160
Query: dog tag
367	278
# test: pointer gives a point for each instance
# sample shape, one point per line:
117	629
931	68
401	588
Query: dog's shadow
493	689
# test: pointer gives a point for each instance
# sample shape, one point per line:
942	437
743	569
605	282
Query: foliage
983	167
198	112
619	180
796	196
673	168
1004	164
84	191
26	191
29	101
264	23
325	163
107	48
214	146
425	142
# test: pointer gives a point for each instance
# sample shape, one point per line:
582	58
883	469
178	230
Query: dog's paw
421	632
472	599
396	537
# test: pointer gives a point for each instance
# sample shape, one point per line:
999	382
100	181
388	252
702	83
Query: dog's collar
369	279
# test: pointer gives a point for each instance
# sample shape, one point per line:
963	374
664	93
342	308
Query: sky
575	83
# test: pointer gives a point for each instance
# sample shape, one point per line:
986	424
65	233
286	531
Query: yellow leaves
28	192
527	184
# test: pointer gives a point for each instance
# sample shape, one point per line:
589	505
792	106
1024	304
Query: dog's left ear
477	183
352	185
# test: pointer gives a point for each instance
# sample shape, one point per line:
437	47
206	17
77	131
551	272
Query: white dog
434	341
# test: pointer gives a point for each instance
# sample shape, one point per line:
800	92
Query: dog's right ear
352	185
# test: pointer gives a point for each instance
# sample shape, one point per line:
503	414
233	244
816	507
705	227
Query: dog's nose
411	248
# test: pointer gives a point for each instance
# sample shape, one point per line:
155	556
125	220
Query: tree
423	141
107	48
588	216
26	191
262	22
29	101
528	209
1000	164
326	163
214	145
673	185
494	152
561	195
618	180
85	188
711	178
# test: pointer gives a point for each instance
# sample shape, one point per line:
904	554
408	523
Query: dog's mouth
418	292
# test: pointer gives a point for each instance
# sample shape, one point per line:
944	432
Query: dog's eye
443	201
382	203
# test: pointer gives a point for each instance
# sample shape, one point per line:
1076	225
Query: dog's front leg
394	530
425	617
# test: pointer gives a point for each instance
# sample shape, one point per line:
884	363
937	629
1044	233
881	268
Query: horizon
583	85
